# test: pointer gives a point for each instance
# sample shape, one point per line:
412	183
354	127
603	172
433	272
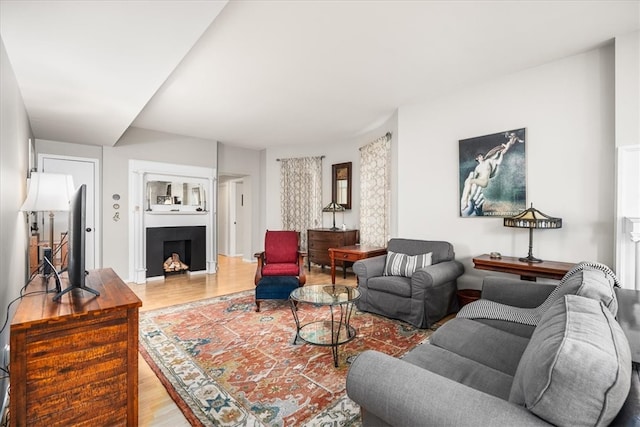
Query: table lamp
48	192
532	218
333	207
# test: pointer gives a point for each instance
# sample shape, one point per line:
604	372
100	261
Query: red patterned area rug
224	364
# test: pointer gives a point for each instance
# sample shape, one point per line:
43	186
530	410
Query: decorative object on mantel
333	207
532	218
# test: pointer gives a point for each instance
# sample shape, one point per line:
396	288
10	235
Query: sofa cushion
396	285
460	369
492	347
398	264
576	369
587	280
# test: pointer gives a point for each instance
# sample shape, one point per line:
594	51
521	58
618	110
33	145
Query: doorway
233	210
84	171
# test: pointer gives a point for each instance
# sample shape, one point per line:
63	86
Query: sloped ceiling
87	68
265	73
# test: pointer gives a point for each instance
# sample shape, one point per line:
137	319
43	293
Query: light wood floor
155	407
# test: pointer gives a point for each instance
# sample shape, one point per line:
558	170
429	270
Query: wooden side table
351	254
527	270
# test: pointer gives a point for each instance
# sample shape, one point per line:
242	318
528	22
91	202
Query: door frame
97	209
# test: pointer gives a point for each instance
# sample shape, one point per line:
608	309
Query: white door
83	171
238	221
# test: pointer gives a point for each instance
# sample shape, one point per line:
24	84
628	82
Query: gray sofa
421	298
574	369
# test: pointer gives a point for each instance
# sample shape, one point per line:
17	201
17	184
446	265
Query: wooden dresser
319	240
76	361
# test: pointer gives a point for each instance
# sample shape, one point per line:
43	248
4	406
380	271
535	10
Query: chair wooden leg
257	305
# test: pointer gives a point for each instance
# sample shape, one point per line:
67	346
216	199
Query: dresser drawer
328	238
320	240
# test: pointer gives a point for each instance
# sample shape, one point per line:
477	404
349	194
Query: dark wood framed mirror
341	184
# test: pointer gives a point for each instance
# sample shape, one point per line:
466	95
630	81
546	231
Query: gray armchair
422	299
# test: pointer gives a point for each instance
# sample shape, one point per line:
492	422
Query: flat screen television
77	243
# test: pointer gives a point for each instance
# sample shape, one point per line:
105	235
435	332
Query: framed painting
492	170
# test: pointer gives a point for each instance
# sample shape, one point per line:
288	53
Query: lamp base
334	228
530	258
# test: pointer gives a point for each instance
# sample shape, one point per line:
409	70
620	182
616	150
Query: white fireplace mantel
140	220
633	228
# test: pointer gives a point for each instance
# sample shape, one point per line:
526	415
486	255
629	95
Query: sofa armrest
403	394
369	267
514	292
437	274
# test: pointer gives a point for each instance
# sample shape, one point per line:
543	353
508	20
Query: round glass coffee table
331	332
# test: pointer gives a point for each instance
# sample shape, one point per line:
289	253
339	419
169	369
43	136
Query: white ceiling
264	73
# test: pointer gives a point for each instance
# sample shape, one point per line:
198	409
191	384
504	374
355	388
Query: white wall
15	132
567	108
248	164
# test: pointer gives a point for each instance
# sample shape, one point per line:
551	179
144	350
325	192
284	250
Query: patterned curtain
301	194
375	189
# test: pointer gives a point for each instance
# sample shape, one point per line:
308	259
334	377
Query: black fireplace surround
188	242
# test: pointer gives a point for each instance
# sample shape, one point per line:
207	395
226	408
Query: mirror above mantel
168	194
341	184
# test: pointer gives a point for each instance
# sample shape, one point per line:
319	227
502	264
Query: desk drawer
347	256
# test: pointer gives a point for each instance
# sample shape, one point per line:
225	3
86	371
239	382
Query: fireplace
188	242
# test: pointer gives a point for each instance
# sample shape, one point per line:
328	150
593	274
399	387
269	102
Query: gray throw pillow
398	264
576	369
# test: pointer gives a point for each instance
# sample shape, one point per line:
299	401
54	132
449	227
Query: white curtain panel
301	194
375	189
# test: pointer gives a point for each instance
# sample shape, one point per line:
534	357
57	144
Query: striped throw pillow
405	265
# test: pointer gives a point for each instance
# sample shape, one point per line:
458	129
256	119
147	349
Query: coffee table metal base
330	333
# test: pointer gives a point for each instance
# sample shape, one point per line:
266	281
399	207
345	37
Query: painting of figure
493	174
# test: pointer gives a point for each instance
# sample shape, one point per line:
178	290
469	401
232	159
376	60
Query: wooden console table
76	361
527	270
351	254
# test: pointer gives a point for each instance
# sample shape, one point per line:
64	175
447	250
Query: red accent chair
280	266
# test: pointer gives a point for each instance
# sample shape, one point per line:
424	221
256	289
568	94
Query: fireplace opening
177	255
172	250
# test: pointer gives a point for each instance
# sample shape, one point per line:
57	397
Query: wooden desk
76	361
527	271
351	254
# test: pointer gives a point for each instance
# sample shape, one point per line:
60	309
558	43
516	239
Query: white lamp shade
48	192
